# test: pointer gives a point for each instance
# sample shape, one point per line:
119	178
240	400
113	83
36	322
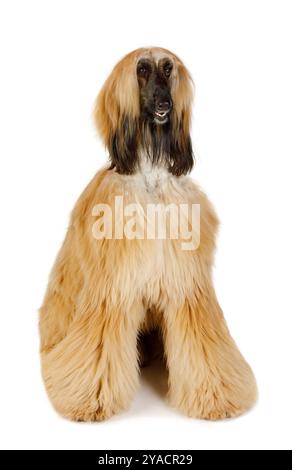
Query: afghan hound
105	292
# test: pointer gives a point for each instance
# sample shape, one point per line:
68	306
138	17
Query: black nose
163	106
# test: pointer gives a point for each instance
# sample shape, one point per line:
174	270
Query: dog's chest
152	182
153	179
153	204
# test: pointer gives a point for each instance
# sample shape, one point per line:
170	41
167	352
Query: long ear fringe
181	153
123	146
119	97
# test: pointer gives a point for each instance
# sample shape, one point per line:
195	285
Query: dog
107	292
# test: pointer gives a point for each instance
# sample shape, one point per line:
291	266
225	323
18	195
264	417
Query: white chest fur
152	178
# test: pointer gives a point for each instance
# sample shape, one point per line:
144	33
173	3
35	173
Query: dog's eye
167	69
143	70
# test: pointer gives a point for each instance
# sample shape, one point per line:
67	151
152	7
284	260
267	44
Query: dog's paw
91	416
218	402
87	414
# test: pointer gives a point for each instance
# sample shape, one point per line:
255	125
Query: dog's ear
122	146
116	115
181	151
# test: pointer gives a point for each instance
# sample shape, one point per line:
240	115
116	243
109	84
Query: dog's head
145	105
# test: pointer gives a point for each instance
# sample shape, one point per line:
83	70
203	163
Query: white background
54	58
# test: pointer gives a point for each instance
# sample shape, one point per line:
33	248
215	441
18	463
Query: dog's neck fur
152	174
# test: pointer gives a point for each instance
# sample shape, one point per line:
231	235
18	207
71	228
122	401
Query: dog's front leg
93	372
208	377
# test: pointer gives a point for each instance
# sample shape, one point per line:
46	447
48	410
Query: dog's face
154	78
144	108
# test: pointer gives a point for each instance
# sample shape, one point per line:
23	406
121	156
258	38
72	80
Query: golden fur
103	293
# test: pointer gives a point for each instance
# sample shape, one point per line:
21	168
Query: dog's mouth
161	117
